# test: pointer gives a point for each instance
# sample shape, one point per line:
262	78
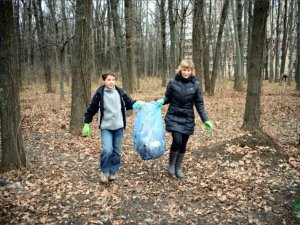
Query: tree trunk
284	41
218	48
297	75
271	48
163	42
130	45
238	72
13	154
119	44
172	23
277	43
292	41
38	13
198	33
81	65
252	109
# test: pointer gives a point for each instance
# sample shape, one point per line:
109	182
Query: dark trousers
179	142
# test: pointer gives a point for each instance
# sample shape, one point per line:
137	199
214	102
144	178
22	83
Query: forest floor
233	176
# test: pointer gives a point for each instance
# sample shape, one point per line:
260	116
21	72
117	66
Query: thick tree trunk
218	48
13	153
198	33
81	69
252	109
130	45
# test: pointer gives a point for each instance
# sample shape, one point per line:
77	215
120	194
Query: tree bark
218	48
198	33
277	43
297	75
38	13
13	153
81	65
130	43
163	42
120	46
253	109
172	22
284	41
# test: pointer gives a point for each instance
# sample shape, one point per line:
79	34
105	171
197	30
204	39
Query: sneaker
103	177
112	177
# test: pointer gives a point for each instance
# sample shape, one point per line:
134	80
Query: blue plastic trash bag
149	140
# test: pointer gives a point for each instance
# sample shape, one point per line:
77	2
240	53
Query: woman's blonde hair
186	63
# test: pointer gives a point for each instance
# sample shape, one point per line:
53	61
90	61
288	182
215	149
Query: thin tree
253	109
278	31
81	74
297	75
284	41
40	25
218	48
13	154
163	41
120	46
130	43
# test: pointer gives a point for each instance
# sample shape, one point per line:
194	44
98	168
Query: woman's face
186	72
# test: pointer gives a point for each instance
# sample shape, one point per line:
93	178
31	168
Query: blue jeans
110	157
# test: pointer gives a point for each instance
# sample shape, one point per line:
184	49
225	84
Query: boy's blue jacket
97	103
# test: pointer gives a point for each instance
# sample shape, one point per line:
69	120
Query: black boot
172	159
178	171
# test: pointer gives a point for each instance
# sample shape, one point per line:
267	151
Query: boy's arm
92	109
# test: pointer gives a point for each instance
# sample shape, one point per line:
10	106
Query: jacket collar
179	77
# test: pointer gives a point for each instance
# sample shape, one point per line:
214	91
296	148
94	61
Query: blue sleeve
199	103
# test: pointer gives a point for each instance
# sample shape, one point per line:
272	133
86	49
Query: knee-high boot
178	171
172	160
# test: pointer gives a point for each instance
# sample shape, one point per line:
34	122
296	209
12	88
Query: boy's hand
208	125
160	102
86	130
137	105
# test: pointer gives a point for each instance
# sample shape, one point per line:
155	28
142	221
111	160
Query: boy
110	102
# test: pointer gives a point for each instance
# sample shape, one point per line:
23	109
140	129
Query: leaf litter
233	176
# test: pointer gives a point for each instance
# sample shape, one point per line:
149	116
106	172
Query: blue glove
160	102
208	125
137	105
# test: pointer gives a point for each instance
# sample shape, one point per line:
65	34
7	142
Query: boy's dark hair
104	75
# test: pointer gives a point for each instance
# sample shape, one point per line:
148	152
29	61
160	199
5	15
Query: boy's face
110	82
186	72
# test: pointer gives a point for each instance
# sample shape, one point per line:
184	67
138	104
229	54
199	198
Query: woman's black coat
182	94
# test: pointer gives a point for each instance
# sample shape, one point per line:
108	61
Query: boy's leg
107	148
116	151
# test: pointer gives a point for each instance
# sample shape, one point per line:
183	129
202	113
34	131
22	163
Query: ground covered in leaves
233	176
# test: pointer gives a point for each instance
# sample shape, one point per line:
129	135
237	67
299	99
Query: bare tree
297	75
252	109
120	46
130	43
277	41
284	41
39	17
81	69
13	154
198	37
163	41
218	48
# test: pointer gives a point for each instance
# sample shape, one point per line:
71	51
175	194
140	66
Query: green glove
86	130
160	102
137	105
208	125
